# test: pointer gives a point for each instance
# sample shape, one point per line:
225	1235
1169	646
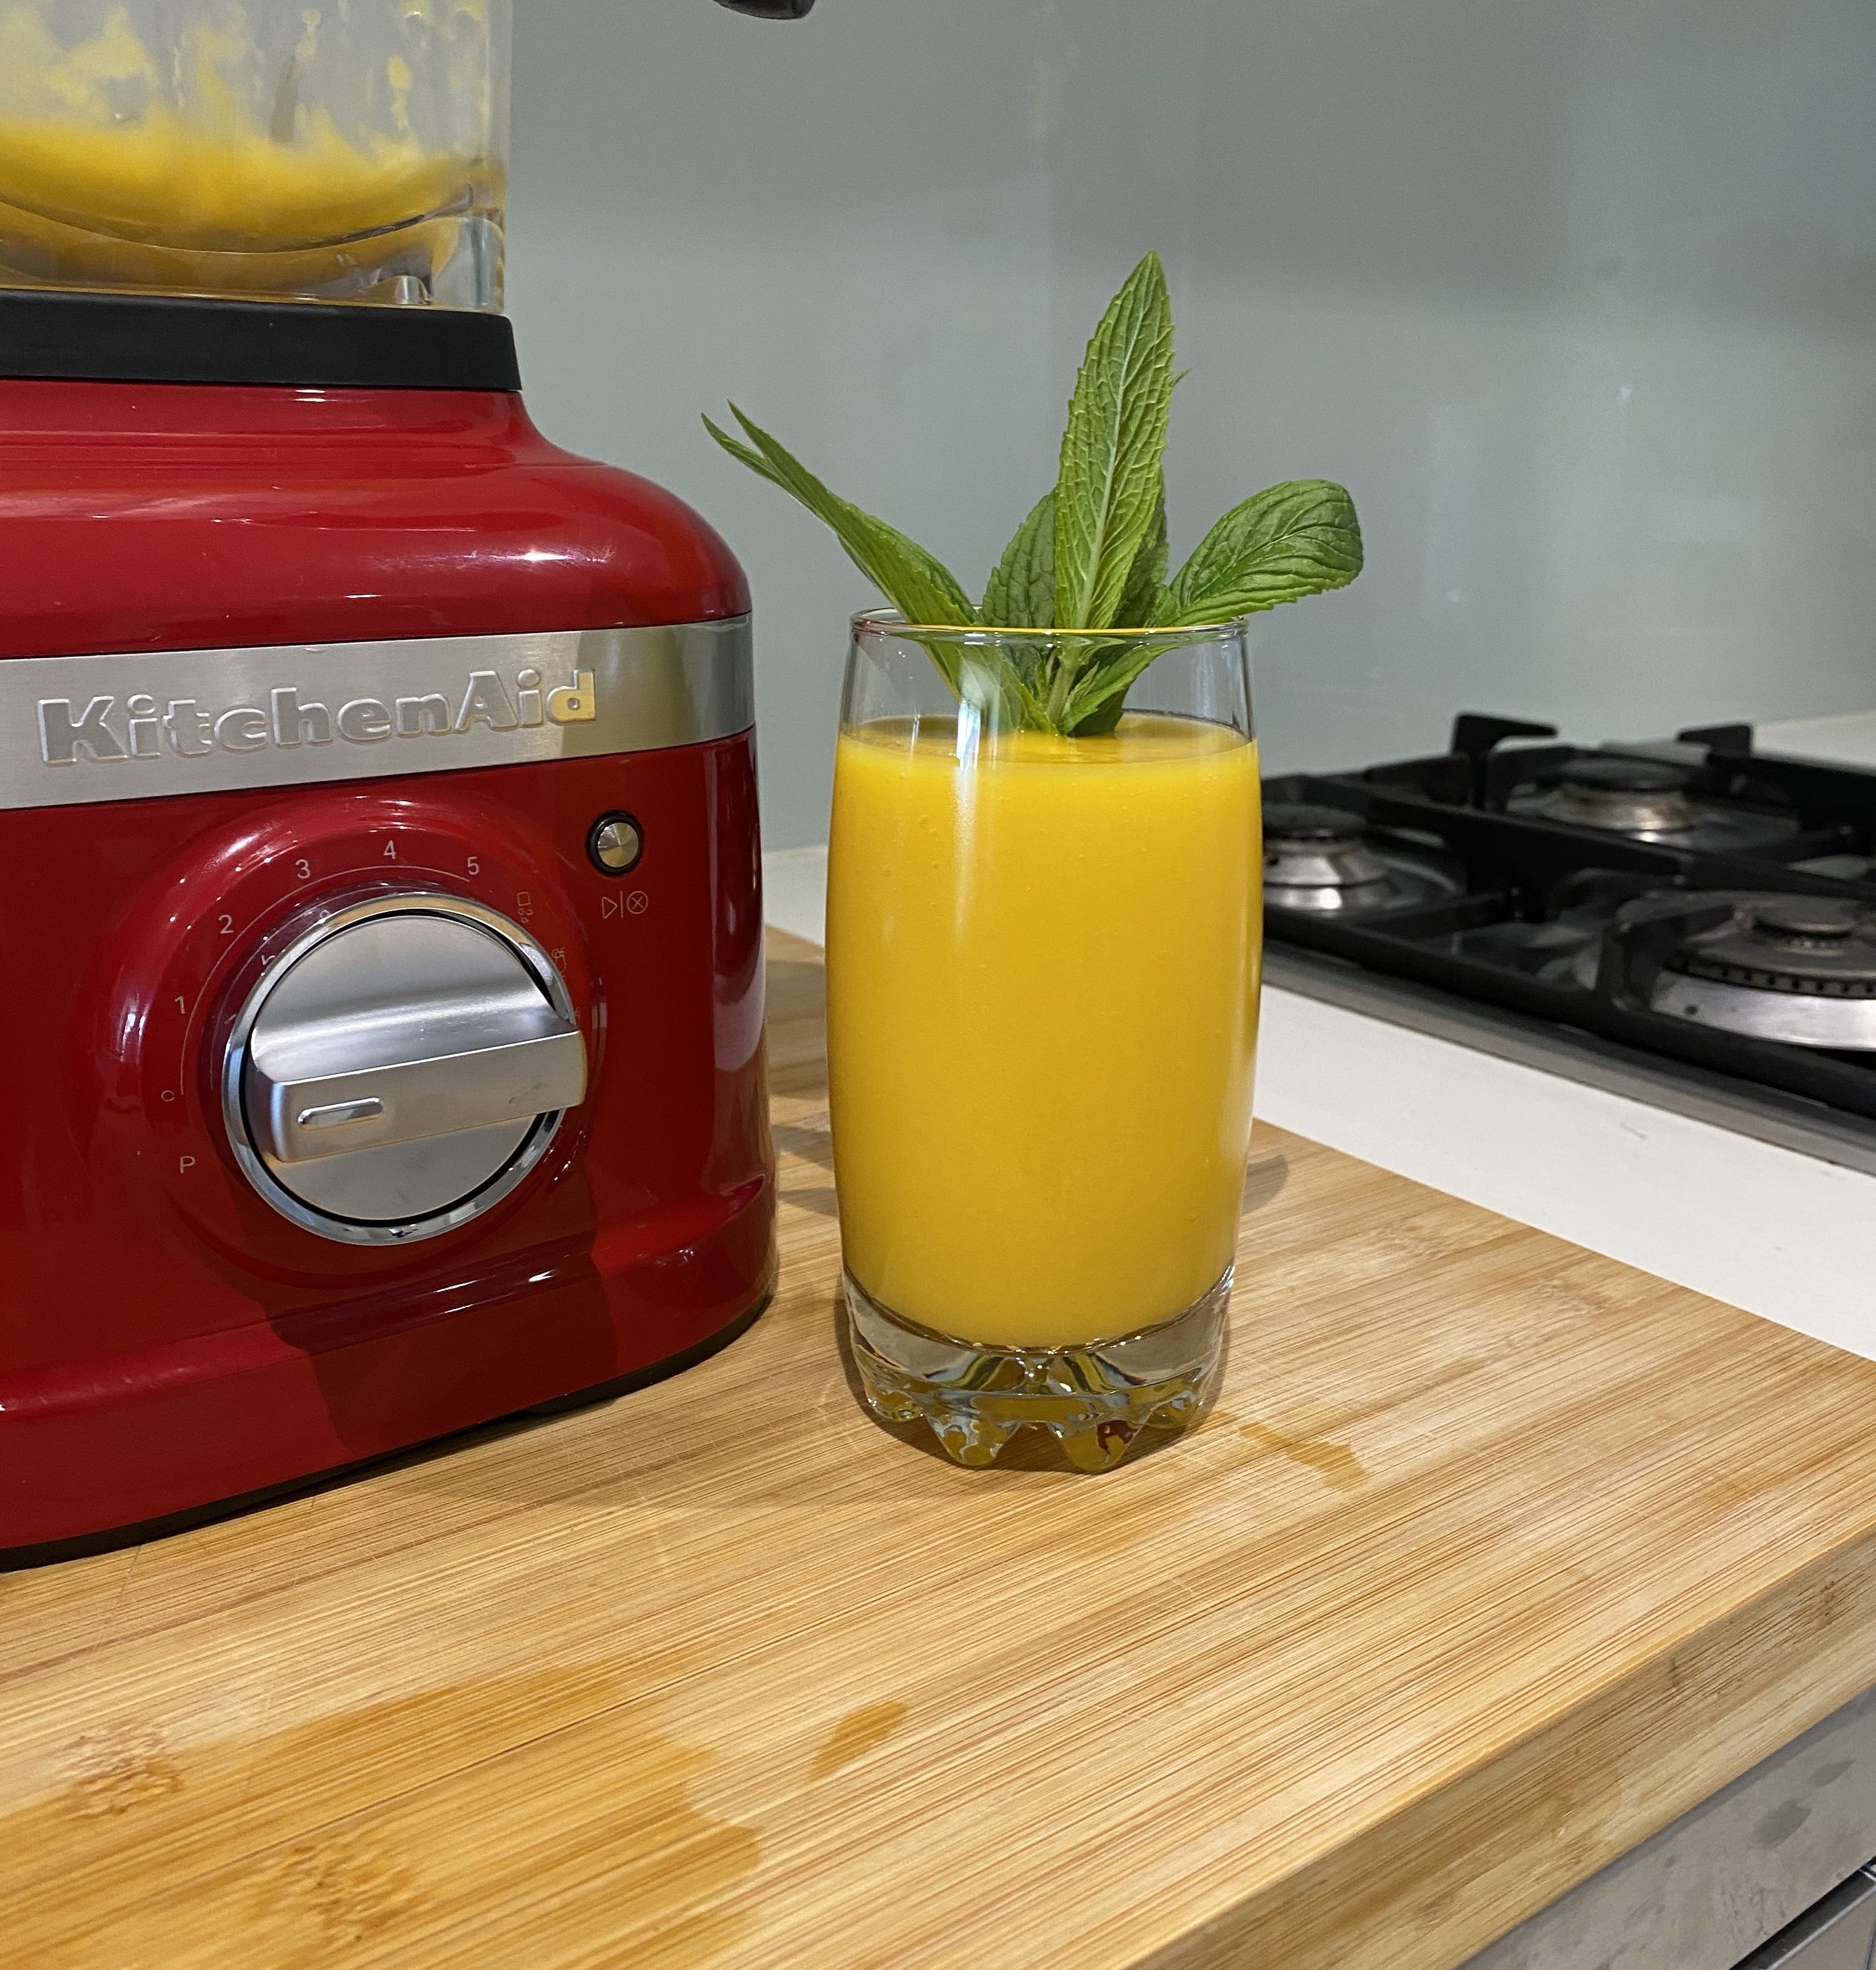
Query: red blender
380	894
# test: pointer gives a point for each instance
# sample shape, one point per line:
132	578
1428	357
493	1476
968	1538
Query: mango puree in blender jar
203	201
1042	976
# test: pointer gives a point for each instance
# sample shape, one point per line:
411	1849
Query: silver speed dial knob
400	1068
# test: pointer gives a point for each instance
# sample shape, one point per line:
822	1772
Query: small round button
616	844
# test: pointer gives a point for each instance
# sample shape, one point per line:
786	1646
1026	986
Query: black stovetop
1695	903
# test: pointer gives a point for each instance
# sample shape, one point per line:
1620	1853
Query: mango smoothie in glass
1042	978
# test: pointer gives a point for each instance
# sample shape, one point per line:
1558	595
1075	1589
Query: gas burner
1316	859
1648	800
1641	797
1798	969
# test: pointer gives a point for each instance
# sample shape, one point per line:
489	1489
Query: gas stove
1692	922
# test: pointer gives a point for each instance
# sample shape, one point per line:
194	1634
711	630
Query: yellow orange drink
1042	1002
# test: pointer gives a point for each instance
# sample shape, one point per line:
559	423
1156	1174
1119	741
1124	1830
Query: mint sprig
1092	554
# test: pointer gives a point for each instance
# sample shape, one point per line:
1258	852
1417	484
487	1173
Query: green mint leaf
918	584
1097	693
753	460
1021	591
1067	658
1288	541
987	678
1110	484
1146	579
1094	705
1105	715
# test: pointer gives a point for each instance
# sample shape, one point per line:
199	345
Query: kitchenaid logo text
143	729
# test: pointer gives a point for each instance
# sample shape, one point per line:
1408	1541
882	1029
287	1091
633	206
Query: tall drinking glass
1043	962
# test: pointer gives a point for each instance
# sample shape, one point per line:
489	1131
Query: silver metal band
79	730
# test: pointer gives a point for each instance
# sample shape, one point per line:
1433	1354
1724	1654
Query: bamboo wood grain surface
1495	1556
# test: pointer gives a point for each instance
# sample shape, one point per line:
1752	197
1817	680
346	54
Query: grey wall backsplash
1579	302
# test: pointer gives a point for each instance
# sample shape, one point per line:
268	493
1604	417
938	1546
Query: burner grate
1765	900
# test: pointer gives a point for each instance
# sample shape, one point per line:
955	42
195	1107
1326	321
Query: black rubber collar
164	339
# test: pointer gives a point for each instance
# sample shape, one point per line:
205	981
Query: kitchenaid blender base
46	1552
371	647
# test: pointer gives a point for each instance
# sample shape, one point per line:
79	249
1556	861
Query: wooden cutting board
1496	1556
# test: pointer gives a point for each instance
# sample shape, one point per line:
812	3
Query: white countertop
1842	738
1782	1234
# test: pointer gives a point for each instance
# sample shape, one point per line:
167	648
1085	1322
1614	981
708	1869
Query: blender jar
347	150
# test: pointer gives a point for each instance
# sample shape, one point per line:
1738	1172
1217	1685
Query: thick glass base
1096	1401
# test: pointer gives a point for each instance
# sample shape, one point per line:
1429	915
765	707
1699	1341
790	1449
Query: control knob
400	1068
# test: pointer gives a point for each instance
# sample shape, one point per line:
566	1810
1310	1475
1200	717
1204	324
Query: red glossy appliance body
168	1339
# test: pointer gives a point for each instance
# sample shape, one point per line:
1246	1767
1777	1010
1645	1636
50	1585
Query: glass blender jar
350	151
